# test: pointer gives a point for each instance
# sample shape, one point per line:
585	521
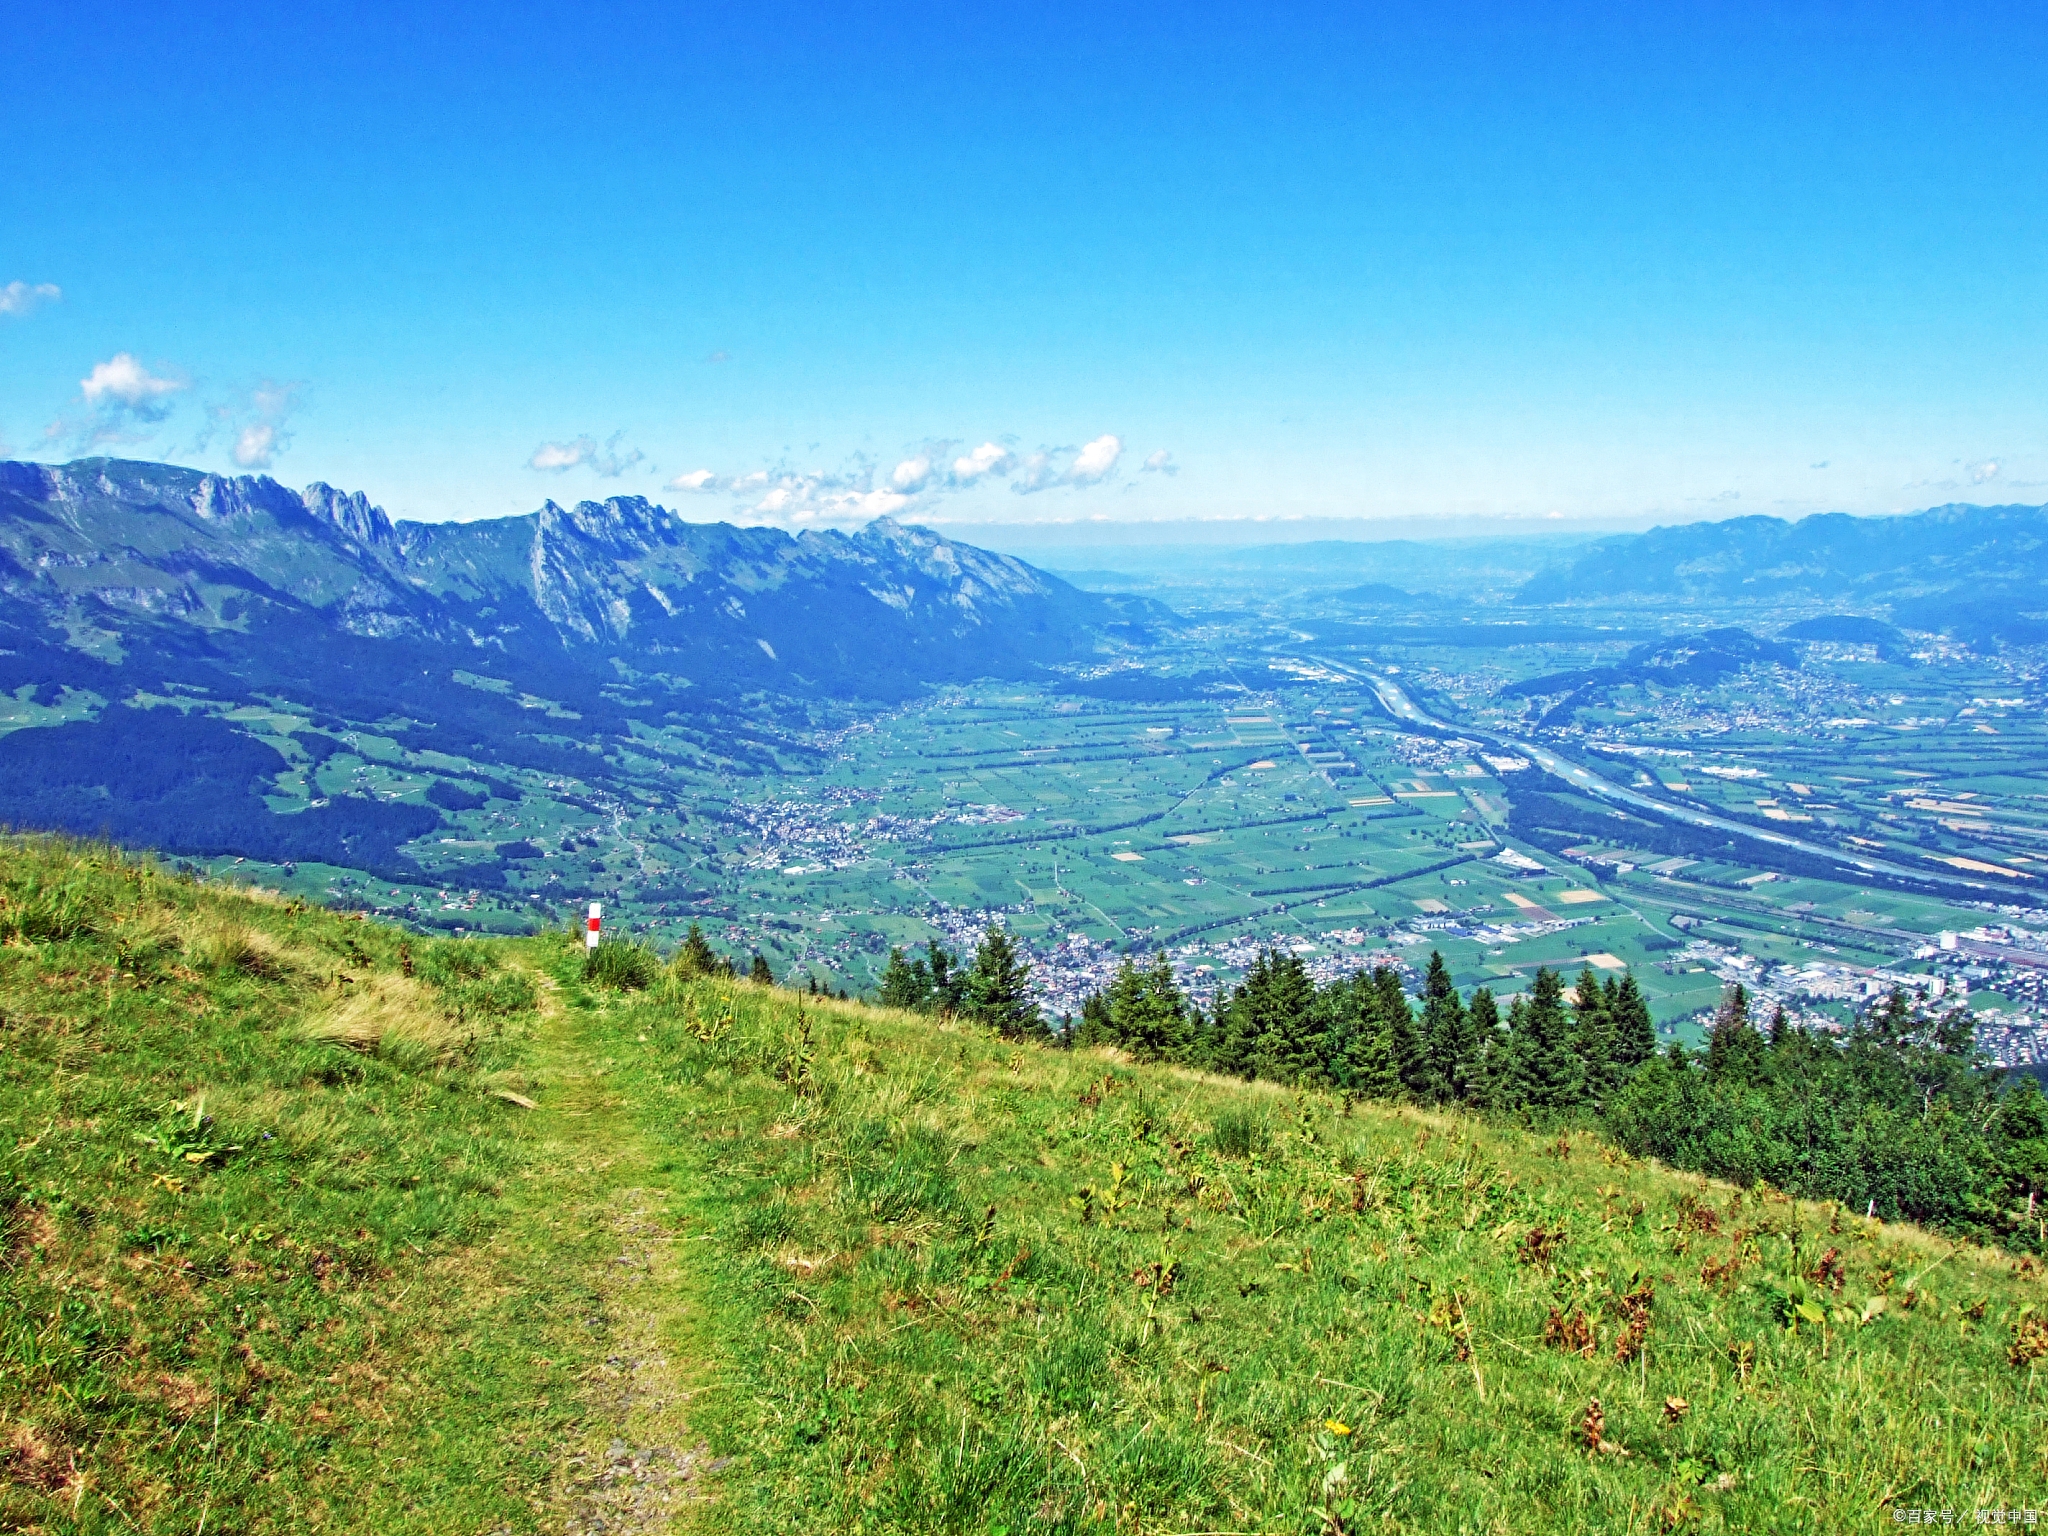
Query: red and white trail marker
590	930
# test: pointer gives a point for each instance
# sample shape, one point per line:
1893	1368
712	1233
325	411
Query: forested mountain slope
186	650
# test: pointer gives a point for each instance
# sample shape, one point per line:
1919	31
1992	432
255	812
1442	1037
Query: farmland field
1244	785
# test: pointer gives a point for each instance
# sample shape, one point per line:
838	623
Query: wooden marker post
591	930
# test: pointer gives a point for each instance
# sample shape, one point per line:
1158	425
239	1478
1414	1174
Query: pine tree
949	979
1404	1041
761	972
1237	1024
1125	996
1635	1035
1489	1071
996	993
1095	1027
1147	1014
1735	1051
1599	1073
1510	1083
905	983
1366	1040
1171	1028
1204	1034
1551	1064
697	957
1290	1048
1446	1035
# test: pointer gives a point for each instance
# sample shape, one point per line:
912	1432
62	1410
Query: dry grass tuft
393	1016
219	943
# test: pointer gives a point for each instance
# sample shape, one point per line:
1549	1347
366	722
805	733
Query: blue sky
795	263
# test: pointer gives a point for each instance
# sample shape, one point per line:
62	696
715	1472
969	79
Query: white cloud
609	461
1091	464
19	298
1980	473
613	461
918	481
823	498
872	503
1035	473
121	397
1161	463
988	459
553	458
256	445
254	422
1097	460
122	383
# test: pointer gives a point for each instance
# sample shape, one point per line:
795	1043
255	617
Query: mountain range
1979	573
185	648
106	547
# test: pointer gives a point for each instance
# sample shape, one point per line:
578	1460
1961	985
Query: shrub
623	966
1239	1133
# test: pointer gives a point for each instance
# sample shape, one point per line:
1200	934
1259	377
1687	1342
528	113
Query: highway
1397	703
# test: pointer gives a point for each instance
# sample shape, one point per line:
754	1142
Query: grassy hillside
286	1251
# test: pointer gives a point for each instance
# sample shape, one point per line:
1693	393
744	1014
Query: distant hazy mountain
1978	572
1674	662
1376	594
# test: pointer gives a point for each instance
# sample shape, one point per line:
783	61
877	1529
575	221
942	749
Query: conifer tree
1237	1023
1147	1014
1735	1051
1203	1036
1359	1048
1405	1042
762	973
1446	1035
1600	1074
1095	1027
996	993
1489	1071
1172	1026
697	957
905	983
1635	1035
1551	1065
949	980
1286	1048
1511	1076
1125	1000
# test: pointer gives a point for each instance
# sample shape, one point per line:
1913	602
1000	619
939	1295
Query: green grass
285	1252
963	1287
256	1189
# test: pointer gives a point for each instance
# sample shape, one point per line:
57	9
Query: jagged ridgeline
308	1224
184	643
